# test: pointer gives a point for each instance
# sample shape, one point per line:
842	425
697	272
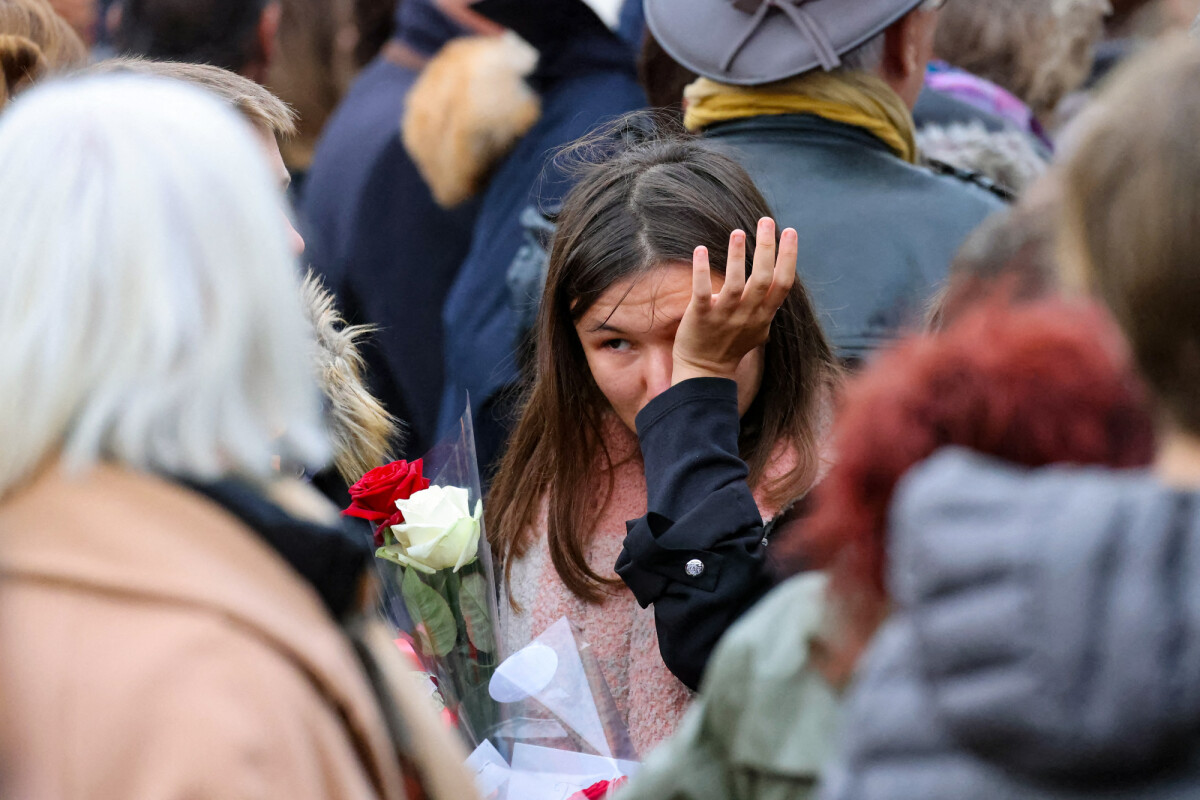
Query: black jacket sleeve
698	555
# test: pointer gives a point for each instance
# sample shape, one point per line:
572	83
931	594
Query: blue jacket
586	75
375	234
1046	642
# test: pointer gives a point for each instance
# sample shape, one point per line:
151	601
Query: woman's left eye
618	345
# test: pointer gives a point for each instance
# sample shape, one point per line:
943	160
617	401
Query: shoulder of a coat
970	176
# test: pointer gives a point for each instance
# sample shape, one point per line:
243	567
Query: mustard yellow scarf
853	98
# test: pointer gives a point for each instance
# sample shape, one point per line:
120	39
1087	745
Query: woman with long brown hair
627	317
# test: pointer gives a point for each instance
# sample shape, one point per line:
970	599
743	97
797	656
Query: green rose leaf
432	618
474	607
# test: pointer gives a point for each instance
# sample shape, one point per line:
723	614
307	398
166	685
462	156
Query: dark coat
586	75
1045	644
701	510
876	234
384	247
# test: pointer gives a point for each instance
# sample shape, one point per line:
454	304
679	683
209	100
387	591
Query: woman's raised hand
718	330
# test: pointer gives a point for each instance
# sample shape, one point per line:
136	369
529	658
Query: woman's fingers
701	279
735	267
784	274
772	274
764	260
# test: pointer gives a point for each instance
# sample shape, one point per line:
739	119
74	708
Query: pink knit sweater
649	697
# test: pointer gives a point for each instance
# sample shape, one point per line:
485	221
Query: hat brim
700	34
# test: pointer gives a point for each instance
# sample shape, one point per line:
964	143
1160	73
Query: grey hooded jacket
1046	642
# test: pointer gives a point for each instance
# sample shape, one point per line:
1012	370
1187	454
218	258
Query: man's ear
906	48
900	57
268	28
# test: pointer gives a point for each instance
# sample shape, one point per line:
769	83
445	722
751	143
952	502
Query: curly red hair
1043	383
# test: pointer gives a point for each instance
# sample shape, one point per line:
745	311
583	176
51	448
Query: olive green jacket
764	721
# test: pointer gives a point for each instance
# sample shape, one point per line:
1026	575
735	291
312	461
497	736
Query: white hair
150	312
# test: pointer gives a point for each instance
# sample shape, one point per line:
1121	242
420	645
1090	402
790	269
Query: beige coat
152	646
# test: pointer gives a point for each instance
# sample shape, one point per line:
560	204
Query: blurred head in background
304	50
143	213
34	41
1040	50
312	64
1131	198
238	35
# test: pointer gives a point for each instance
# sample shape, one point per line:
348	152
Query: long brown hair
637	206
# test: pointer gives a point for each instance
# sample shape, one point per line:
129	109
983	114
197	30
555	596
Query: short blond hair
255	102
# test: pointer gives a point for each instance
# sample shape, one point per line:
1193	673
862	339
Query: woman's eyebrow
606	327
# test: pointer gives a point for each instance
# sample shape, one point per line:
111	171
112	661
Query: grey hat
750	42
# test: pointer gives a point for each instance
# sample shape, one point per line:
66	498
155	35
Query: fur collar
468	108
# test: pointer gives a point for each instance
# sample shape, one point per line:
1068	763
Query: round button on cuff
694	568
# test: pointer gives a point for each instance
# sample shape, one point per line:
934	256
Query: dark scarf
331	559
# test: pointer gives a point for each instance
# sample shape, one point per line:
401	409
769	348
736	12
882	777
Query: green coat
764	722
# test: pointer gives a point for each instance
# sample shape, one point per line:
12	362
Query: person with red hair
1043	383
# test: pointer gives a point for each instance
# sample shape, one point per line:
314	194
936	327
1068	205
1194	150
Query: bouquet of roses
435	570
542	721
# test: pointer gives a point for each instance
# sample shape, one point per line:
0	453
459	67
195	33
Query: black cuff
657	550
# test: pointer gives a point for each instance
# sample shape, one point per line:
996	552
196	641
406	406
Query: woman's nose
658	371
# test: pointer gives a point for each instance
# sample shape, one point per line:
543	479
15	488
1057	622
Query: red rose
396	518
374	497
599	791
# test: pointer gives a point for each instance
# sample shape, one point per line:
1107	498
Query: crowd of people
834	368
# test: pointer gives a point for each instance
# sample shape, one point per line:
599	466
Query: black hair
223	33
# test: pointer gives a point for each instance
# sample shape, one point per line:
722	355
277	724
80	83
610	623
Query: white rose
439	530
